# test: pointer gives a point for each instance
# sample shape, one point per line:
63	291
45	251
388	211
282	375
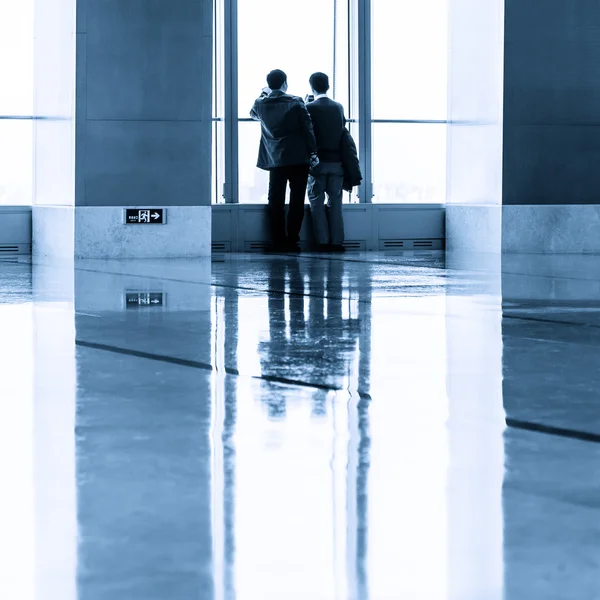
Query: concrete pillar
524	145
551	137
474	200
123	100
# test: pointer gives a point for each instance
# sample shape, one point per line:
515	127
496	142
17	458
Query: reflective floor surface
367	427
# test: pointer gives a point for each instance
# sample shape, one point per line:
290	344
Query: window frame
360	116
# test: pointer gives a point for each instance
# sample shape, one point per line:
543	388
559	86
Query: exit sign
145	216
144	299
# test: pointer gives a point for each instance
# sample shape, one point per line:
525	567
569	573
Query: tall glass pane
254	183
409	59
295	37
298	38
409	83
16	99
16	57
16	162
409	163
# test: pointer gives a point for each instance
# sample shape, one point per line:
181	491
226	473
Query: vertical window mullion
231	186
364	99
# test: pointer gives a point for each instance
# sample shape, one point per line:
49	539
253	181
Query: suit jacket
352	173
328	121
287	137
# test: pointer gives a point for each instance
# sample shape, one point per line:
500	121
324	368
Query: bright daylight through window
408	91
16	102
408	95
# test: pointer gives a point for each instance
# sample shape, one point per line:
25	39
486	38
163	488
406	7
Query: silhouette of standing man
329	122
288	150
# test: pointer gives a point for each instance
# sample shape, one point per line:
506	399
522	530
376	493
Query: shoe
291	248
321	248
278	248
337	248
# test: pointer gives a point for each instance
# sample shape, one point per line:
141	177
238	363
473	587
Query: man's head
277	80
319	82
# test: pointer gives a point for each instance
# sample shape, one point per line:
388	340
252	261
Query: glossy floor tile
372	426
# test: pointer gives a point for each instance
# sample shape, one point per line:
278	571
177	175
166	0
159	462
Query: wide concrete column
476	40
524	142
123	100
551	134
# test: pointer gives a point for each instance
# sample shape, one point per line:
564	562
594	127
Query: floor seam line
574	434
183	362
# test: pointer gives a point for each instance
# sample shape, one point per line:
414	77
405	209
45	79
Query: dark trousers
297	176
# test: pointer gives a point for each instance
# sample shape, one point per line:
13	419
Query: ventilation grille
355	245
12	249
423	244
255	246
411	244
221	246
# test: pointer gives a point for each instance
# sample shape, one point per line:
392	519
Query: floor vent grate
393	243
422	244
221	246
354	245
256	246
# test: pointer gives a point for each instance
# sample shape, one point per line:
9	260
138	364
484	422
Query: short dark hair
276	79
319	82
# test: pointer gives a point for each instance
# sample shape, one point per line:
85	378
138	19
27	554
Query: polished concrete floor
366	427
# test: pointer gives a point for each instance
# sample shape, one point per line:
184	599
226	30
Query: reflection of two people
315	347
314	340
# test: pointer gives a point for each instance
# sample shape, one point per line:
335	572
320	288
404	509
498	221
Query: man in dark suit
287	150
328	122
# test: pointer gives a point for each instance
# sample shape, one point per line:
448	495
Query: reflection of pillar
230	397
362	505
54	433
16	444
218	459
339	467
359	451
475	430
224	317
143	443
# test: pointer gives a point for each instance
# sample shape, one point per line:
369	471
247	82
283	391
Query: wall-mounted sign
145	216
144	299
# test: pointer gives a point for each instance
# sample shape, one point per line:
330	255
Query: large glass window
409	59
409	163
409	83
387	63
16	102
16	162
272	34
299	39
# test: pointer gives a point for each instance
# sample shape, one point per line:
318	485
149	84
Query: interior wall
551	99
551	136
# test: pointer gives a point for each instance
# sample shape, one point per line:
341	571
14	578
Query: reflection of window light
345	310
286	301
